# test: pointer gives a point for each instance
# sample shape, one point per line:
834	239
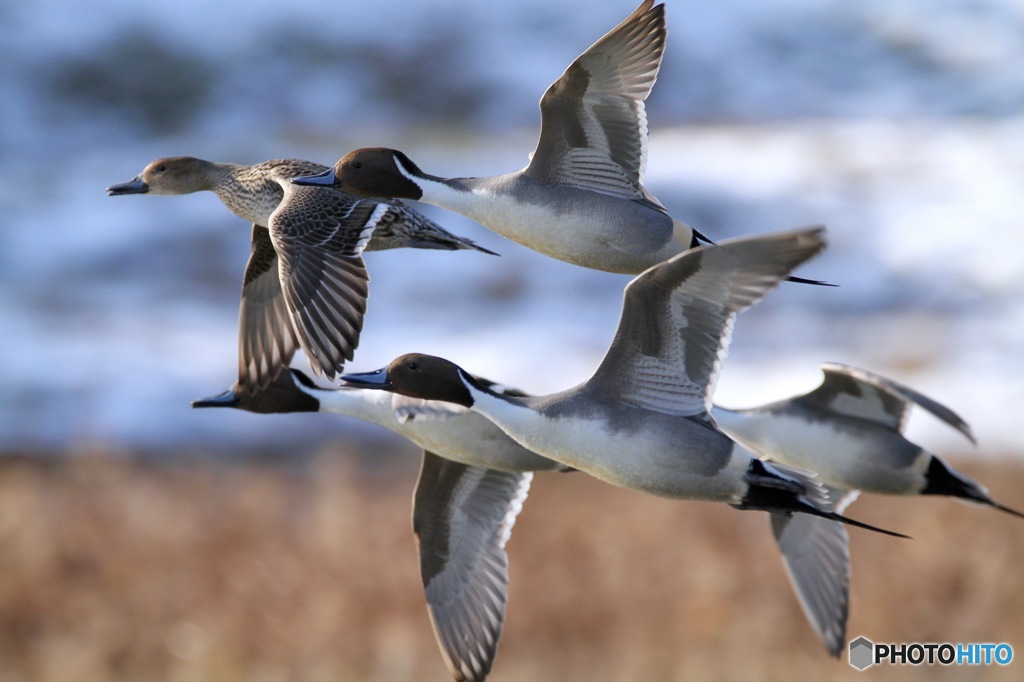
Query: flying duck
850	430
473	482
581	198
305	281
643	421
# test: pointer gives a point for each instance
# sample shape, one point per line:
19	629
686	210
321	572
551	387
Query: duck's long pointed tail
788	490
698	238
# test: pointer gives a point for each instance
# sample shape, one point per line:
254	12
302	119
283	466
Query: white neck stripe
406	173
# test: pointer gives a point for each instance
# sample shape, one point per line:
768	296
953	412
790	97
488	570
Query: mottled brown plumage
305	283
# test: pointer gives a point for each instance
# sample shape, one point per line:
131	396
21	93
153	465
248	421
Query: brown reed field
116	569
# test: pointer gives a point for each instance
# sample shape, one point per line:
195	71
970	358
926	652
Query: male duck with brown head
643	420
581	199
305	283
850	430
473	482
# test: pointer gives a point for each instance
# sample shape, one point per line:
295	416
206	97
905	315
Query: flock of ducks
644	420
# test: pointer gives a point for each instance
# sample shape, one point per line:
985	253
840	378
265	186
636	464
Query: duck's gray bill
225	399
136	186
376	379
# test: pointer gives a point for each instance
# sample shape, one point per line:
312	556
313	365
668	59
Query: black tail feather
795	505
815	282
941	480
853	522
785	490
1001	508
699	239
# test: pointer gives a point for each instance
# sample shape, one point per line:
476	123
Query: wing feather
677	319
462	517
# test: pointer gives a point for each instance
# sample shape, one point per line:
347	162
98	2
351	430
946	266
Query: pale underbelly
593	239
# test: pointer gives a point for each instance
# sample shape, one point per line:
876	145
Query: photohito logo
864	653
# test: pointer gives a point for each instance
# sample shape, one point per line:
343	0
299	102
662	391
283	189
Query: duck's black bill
376	379
136	186
325	179
225	399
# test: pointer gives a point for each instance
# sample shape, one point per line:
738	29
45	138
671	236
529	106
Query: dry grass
113	570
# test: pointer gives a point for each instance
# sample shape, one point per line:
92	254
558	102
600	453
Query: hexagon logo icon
862	653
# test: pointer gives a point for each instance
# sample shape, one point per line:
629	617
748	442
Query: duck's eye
357	164
161	168
413	365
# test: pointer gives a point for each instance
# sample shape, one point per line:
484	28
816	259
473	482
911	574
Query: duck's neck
455	194
494	203
247	192
368	405
513	415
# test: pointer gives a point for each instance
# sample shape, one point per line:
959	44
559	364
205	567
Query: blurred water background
896	123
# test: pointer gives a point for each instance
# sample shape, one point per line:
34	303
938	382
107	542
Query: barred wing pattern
593	119
462	517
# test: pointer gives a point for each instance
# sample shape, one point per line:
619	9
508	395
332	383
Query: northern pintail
814	550
581	198
850	430
473	482
642	421
305	281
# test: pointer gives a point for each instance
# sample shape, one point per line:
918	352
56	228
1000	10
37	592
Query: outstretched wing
462	517
319	237
816	554
677	318
266	338
593	121
855	392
